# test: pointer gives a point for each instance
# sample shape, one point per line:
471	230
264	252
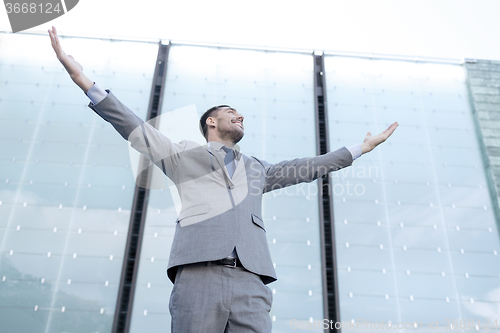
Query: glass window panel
66	184
467	283
468	217
380	309
419	260
366	233
343	205
418	236
355	283
475	262
363	256
425	215
274	91
429	187
417	310
41	266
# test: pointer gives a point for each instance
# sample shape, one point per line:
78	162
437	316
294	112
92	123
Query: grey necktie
229	160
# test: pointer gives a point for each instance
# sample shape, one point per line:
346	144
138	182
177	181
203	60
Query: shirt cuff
355	151
96	94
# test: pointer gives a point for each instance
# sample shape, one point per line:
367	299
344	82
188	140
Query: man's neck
225	143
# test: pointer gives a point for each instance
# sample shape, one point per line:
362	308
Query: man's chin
233	136
238	139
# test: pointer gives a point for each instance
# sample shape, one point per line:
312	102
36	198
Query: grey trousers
219	299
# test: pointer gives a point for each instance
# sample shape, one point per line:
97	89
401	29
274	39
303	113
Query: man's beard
231	134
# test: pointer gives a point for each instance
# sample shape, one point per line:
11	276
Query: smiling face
228	124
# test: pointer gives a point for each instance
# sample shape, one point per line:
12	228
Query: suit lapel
221	163
240	166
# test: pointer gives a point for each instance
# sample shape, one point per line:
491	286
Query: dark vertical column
125	301
329	263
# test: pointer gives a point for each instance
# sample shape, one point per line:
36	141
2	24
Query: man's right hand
74	69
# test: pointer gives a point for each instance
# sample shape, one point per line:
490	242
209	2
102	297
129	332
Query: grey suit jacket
218	213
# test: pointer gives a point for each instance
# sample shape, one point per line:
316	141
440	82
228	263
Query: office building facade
408	235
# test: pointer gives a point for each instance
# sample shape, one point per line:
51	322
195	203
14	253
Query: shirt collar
216	145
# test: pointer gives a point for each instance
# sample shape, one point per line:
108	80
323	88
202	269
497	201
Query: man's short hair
206	115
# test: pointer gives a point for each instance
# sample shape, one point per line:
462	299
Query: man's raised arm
300	170
110	109
74	69
142	136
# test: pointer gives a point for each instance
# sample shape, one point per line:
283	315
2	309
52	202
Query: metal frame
131	259
166	41
327	231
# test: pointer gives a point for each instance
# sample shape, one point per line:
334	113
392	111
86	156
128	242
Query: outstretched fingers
387	133
54	39
74	69
371	142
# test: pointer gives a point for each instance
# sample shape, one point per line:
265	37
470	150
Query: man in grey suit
219	261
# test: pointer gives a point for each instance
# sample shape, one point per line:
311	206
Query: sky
453	29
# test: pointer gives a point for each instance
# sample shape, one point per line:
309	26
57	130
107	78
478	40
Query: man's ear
211	121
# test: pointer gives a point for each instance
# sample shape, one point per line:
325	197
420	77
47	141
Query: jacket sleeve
142	136
302	170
